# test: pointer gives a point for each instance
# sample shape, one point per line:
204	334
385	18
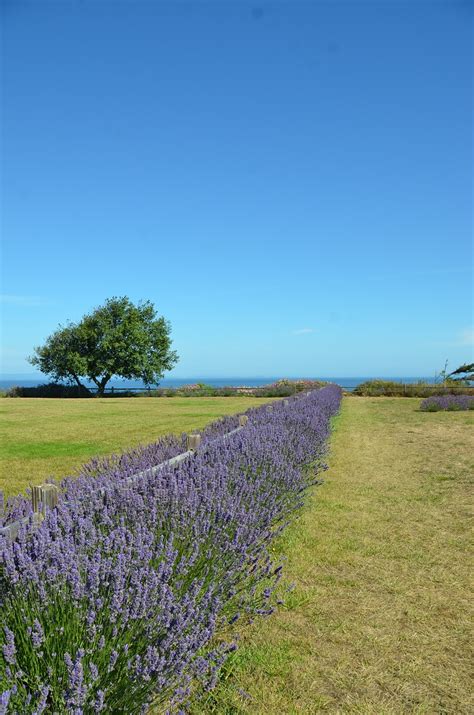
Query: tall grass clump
118	598
450	403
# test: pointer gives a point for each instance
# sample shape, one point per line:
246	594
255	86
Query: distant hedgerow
390	388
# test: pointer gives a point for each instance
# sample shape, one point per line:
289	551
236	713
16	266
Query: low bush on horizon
281	388
50	389
449	403
390	388
116	599
62	391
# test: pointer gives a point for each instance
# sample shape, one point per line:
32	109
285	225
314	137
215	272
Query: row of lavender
115	600
450	403
118	466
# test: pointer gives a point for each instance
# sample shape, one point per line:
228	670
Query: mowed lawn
379	618
51	437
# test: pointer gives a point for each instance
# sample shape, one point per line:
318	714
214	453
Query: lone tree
117	339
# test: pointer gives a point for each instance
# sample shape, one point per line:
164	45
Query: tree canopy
116	339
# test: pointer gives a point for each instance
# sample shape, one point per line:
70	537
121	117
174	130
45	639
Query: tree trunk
101	385
79	383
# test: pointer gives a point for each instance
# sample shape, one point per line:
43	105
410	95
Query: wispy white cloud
25	301
303	331
461	338
467	336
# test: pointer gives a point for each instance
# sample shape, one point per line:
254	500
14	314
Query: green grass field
40	438
379	620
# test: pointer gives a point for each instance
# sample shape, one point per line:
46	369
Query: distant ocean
348	383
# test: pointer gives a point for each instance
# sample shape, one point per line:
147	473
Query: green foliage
464	373
51	389
443	374
116	339
200	389
432	407
281	388
390	388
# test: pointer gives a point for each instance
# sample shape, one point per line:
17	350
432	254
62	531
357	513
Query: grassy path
378	621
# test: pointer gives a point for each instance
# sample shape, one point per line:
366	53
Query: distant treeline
281	388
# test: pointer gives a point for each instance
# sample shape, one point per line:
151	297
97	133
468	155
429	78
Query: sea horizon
12	380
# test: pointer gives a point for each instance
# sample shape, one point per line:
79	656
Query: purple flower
447	402
37	634
9	650
112	660
43	700
75	694
4	700
99	703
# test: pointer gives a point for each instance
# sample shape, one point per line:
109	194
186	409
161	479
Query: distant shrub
285	388
448	403
163	392
226	392
390	388
51	389
122	393
199	389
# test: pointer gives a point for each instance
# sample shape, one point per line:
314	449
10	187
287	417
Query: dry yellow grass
379	619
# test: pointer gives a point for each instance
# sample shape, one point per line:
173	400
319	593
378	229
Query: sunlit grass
52	437
379	619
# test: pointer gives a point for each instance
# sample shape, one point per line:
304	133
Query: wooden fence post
243	419
49	496
36	498
44	497
193	441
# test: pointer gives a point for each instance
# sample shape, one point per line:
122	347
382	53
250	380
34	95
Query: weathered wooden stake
193	441
36	498
286	403
243	419
49	496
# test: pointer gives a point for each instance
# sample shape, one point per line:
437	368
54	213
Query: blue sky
289	183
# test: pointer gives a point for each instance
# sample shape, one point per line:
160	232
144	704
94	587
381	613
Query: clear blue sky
289	183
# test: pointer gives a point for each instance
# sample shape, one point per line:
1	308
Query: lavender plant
449	403
115	599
